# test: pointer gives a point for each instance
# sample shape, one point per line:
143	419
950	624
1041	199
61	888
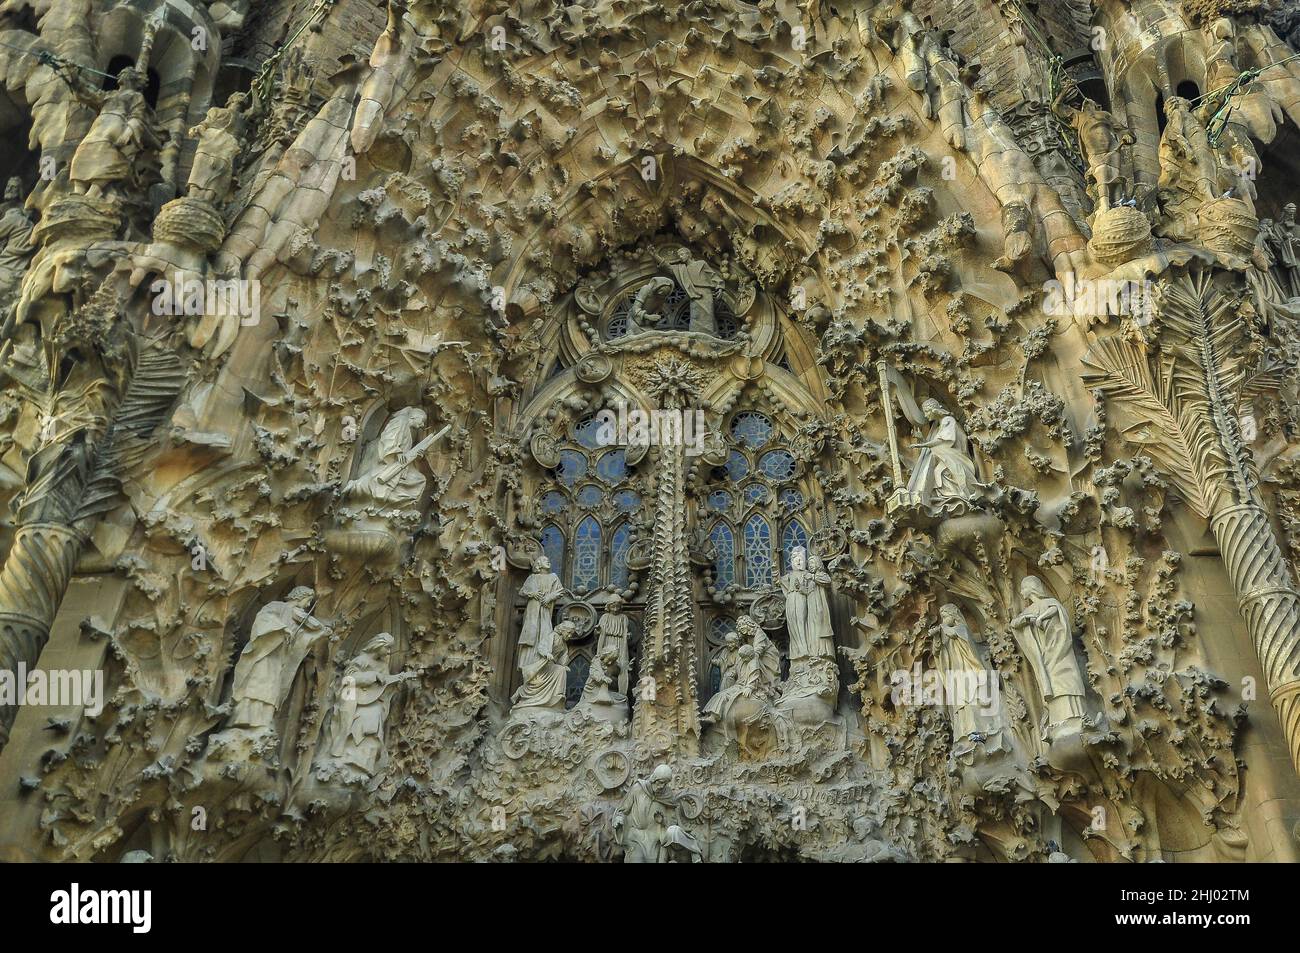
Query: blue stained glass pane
715	680
719	501
587	433
618	323
579	669
720	625
726	322
792	499
724	560
590	495
757	493
553	548
778	464
572	468
793	536
586	555
737	466
619	544
627	500
612	467
554	502
676	312
758	553
751	428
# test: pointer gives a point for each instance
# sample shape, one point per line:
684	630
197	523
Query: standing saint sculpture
15	241
613	634
541	590
1044	635
700	281
282	635
971	691
807	610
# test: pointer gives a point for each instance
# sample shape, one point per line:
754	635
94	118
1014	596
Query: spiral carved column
1270	604
32	584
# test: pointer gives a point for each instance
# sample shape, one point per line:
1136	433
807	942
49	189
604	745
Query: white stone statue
392	485
944	481
650	822
599	694
700	281
106	156
546	673
751	676
972	693
1044	635
364	697
282	635
541	590
613	634
15	241
807	610
216	151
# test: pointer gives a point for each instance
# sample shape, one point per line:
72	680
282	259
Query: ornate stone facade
649	431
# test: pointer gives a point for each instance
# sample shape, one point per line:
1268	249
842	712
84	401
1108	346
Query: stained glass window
618	323
777	464
554	502
676	311
723	319
590	495
553	549
792	500
627	500
720	501
579	669
737	466
719	626
793	537
724	561
751	428
586	555
572	468
758	552
757	493
612	467
619	543
587	433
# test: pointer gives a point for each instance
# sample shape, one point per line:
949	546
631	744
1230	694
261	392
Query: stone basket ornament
582	614
768	610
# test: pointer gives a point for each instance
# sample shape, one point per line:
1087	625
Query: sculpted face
933	410
541	564
14	189
798	558
950	614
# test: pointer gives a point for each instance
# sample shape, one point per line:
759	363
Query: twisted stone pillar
32	584
1269	603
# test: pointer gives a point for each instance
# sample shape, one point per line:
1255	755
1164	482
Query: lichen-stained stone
631	431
